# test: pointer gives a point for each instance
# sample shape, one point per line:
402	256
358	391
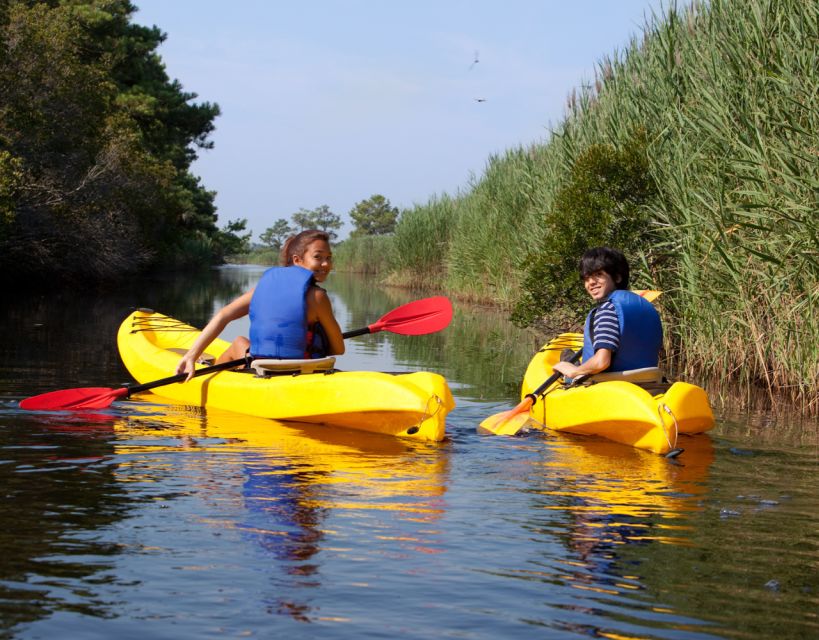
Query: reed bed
421	242
727	93
739	174
364	254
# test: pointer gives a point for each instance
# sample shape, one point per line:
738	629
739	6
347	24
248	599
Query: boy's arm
605	335
600	361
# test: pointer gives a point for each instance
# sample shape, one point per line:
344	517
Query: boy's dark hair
606	259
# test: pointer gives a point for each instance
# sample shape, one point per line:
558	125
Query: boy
623	331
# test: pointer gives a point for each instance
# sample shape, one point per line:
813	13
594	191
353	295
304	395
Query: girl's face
599	285
318	258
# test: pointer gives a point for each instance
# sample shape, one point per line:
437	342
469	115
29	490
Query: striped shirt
606	330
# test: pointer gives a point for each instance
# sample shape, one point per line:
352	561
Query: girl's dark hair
605	259
296	245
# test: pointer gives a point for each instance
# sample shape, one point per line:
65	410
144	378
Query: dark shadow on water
59	487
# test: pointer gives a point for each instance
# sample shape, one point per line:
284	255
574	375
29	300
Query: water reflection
67	338
295	477
611	480
59	487
618	495
609	505
149	520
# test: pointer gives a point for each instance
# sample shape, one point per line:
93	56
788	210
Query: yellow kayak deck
412	405
616	409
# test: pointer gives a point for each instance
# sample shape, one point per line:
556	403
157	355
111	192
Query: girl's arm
319	309
236	309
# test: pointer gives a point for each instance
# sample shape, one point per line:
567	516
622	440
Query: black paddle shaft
575	357
552	379
356	332
137	388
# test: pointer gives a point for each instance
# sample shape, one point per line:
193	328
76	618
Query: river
146	520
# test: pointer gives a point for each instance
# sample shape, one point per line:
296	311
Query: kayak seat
648	374
205	358
650	378
267	367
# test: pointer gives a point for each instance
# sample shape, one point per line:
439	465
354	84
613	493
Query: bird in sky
480	99
474	62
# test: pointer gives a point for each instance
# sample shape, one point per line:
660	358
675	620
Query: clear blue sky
329	102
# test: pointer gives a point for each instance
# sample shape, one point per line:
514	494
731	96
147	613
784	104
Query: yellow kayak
649	415
412	405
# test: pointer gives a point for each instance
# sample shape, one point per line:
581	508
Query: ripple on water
145	520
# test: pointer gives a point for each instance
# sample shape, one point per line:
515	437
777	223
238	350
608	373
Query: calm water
154	521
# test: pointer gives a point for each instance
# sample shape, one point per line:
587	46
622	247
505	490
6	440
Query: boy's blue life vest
278	316
641	333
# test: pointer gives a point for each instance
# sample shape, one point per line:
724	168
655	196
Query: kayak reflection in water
284	520
614	505
290	315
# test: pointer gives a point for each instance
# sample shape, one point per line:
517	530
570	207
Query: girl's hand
186	365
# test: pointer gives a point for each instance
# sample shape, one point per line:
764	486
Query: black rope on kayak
559	345
162	323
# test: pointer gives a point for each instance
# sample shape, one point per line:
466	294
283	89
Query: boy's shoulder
626	296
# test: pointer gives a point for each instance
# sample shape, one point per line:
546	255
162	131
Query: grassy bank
724	99
364	254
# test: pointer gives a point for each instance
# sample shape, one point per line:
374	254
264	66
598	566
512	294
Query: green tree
319	218
230	240
95	146
603	203
374	216
10	175
275	236
303	219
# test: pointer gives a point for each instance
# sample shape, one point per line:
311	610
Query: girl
290	315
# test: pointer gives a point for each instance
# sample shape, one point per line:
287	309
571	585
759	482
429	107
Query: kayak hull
616	410
412	405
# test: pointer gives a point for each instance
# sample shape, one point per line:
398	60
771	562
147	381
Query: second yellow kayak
647	417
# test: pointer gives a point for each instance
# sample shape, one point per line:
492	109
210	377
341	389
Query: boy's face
599	284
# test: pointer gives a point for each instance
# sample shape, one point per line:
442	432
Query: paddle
412	319
508	423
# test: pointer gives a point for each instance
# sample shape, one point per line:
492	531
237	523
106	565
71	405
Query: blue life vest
278	313
641	333
267	483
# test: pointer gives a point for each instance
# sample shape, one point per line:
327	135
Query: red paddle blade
416	318
84	398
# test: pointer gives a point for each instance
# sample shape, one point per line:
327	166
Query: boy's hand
567	369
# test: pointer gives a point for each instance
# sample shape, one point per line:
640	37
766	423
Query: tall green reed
421	241
739	175
364	254
727	92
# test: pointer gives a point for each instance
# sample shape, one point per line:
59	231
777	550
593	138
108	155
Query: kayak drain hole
412	430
